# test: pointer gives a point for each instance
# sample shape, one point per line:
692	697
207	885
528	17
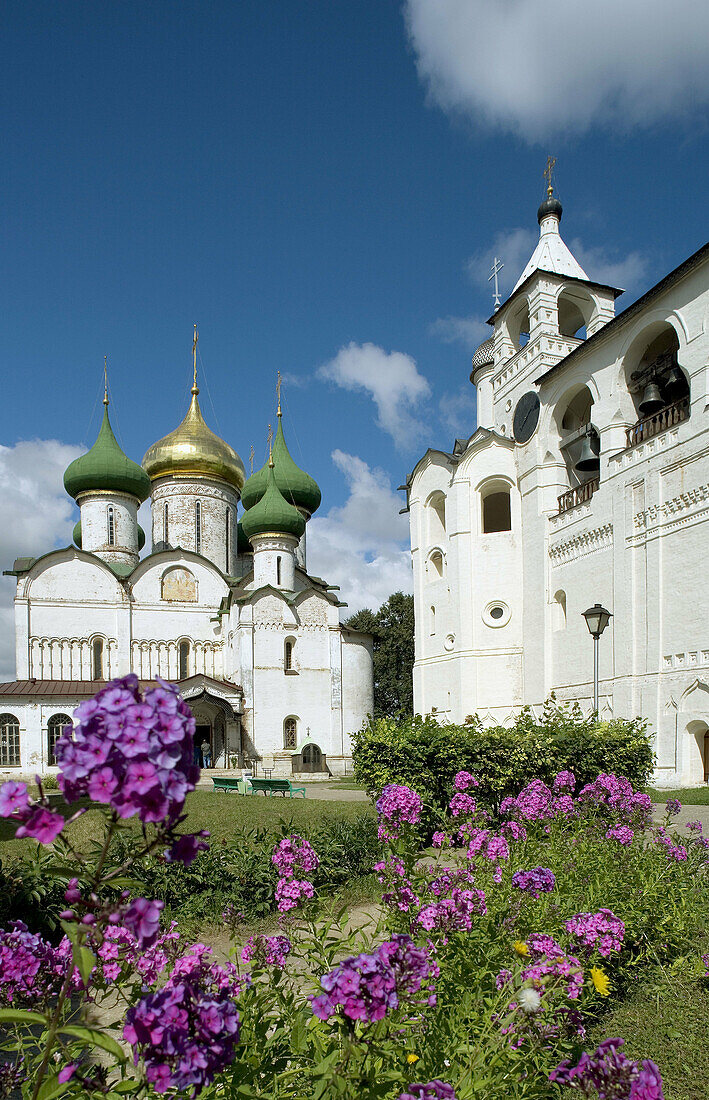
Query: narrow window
227	535
497	514
111	526
97	659
9	741
198	527
290	733
278	570
55	728
184	660
432	620
288	656
165	524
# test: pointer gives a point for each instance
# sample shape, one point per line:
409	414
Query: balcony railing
658	422
578	495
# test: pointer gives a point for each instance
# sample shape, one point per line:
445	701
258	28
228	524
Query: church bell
674	379
587	461
651	400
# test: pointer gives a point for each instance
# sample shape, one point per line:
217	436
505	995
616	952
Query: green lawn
688	796
665	1019
223	814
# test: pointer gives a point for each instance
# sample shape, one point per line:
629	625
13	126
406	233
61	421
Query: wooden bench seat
275	786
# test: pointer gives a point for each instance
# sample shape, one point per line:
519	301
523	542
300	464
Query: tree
392	628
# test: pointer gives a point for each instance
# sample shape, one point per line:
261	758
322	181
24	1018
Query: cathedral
585	482
222	606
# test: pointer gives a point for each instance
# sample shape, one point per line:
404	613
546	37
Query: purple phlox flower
441	840
13	798
31	970
116	752
267	950
513	830
463	781
366	987
434	1090
673	807
609	1073
539	943
187	847
291	891
601	931
622	833
454	913
40	824
533	803
142	918
537	881
564	970
462	805
564	781
695	826
397	806
294	854
677	852
616	793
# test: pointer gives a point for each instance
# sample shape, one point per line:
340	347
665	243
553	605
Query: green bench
278	786
226	783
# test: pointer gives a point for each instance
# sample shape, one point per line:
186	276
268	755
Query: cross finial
195	388
497	266
251	458
105	380
549	175
278	391
270	445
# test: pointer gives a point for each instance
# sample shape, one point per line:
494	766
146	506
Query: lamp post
597	619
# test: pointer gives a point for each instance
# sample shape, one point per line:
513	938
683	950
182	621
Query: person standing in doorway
206	754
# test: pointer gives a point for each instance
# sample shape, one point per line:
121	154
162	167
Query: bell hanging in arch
675	379
651	399
588	461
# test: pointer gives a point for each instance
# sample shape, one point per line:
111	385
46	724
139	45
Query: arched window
290	733
288	647
278	570
227	536
111	521
655	378
435	565
198	527
55	728
165	524
183	655
558	620
575	311
9	741
436	508
519	326
579	441
97	659
432	620
496	508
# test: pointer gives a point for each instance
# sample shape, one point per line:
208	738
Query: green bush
422	753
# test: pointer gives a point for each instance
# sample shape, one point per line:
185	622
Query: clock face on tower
526	417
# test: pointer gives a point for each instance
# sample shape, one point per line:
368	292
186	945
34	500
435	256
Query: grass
665	1020
223	814
688	796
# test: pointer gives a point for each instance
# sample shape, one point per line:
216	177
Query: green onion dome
76	534
272	514
106	468
141	537
296	486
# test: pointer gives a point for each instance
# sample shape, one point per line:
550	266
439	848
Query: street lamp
597	619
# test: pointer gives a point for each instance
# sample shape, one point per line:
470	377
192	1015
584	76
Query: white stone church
586	481
224	608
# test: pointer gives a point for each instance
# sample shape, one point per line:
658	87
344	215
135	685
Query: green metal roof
106	467
299	488
272	513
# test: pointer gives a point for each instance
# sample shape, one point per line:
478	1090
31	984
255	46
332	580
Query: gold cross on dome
548	174
251	458
278	391
270	447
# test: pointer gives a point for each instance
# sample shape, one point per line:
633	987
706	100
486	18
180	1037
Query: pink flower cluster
31	970
537	802
34	818
550	966
462	805
489	845
616	793
622	833
454	913
537	881
434	1090
397	806
602	931
367	987
677	852
463	781
267	950
399	893
564	781
608	1073
290	855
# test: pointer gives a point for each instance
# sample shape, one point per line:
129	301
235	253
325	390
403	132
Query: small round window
496	613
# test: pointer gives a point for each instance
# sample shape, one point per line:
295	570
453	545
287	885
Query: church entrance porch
217	721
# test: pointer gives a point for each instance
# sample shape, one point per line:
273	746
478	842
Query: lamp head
597	619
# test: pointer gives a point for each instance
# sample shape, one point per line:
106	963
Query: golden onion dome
193	450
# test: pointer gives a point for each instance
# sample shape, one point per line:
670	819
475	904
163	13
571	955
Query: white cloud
362	545
461	330
392	381
602	267
538	69
458	411
35	515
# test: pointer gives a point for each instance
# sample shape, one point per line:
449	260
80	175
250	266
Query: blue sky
320	186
